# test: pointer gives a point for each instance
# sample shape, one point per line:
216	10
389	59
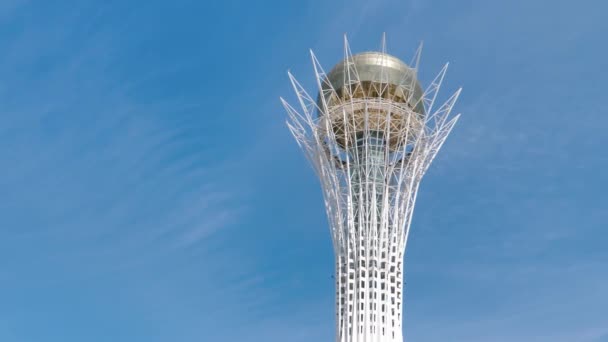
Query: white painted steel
369	189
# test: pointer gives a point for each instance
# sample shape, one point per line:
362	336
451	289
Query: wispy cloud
95	172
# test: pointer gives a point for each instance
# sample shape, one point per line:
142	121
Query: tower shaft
370	140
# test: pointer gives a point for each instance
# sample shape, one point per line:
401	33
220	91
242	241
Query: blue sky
150	190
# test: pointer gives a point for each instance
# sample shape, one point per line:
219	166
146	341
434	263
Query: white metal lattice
369	189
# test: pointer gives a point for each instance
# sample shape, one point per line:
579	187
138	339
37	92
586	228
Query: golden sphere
373	91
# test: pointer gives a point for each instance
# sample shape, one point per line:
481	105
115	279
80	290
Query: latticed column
370	135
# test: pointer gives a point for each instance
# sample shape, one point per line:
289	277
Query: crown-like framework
370	138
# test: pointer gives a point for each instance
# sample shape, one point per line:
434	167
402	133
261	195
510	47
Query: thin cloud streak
90	162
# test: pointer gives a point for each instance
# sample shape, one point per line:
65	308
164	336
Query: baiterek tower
371	133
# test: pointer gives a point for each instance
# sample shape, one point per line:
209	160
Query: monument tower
371	133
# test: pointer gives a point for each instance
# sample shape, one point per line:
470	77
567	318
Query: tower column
370	142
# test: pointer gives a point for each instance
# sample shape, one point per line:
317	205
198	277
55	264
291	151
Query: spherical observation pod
374	92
